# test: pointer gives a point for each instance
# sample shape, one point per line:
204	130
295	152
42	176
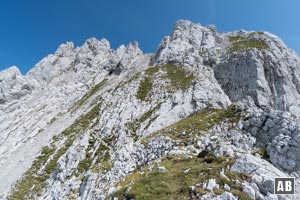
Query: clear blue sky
32	29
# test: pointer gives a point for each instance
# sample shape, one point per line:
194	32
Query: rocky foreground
208	116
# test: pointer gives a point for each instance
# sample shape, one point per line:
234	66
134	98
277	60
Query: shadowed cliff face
197	119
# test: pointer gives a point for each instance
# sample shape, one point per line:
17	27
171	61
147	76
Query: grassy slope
174	183
145	184
176	74
197	123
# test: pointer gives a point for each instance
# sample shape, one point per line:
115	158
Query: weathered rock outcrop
258	64
278	132
13	85
189	44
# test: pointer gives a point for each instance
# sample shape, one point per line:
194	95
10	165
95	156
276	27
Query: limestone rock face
53	65
279	132
256	64
13	85
216	111
262	174
269	74
186	44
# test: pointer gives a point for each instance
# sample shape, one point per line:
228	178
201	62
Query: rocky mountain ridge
216	113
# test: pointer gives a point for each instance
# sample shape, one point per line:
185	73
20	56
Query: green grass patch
144	88
203	52
259	33
179	78
186	129
84	122
102	160
90	93
174	183
146	83
245	43
84	164
136	124
52	120
111	139
236	38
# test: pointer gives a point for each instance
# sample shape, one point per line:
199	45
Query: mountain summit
208	116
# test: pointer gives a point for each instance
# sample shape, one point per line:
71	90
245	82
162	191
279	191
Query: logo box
284	185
